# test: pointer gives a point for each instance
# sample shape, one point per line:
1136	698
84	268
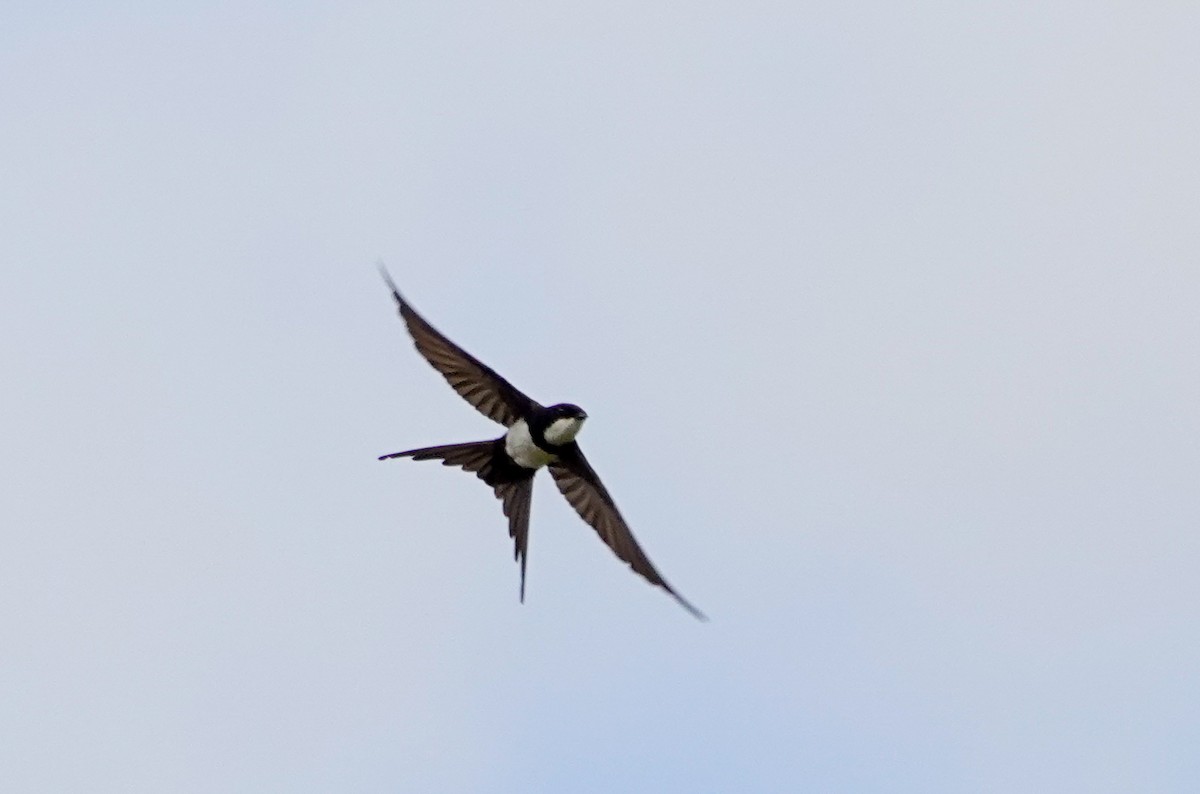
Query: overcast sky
886	319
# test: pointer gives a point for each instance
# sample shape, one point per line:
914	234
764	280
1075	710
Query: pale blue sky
886	319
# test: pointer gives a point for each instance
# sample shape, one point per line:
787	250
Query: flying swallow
537	436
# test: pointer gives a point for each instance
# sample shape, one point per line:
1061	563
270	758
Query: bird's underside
530	439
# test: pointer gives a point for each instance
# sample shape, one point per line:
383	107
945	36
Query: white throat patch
520	447
564	430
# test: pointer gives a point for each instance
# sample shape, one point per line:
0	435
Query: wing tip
387	277
391	285
683	602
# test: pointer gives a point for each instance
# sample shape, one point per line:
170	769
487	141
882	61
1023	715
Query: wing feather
515	495
581	486
475	382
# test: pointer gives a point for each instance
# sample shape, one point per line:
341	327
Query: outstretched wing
476	382
579	483
515	495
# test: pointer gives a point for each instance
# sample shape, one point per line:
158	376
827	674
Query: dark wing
477	383
479	457
578	481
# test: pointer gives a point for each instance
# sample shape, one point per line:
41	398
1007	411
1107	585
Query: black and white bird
537	436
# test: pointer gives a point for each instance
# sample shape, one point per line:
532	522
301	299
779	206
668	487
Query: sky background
886	316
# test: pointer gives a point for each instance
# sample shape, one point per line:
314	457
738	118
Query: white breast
520	447
563	431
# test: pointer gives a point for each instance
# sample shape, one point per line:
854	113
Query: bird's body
524	451
536	436
534	442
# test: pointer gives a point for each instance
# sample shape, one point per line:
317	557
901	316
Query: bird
535	437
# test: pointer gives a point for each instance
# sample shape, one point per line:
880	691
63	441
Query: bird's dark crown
567	411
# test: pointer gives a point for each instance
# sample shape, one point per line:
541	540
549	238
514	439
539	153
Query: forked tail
512	484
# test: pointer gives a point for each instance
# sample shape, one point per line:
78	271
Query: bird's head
565	421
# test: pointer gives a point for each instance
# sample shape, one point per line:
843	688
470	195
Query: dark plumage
536	436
